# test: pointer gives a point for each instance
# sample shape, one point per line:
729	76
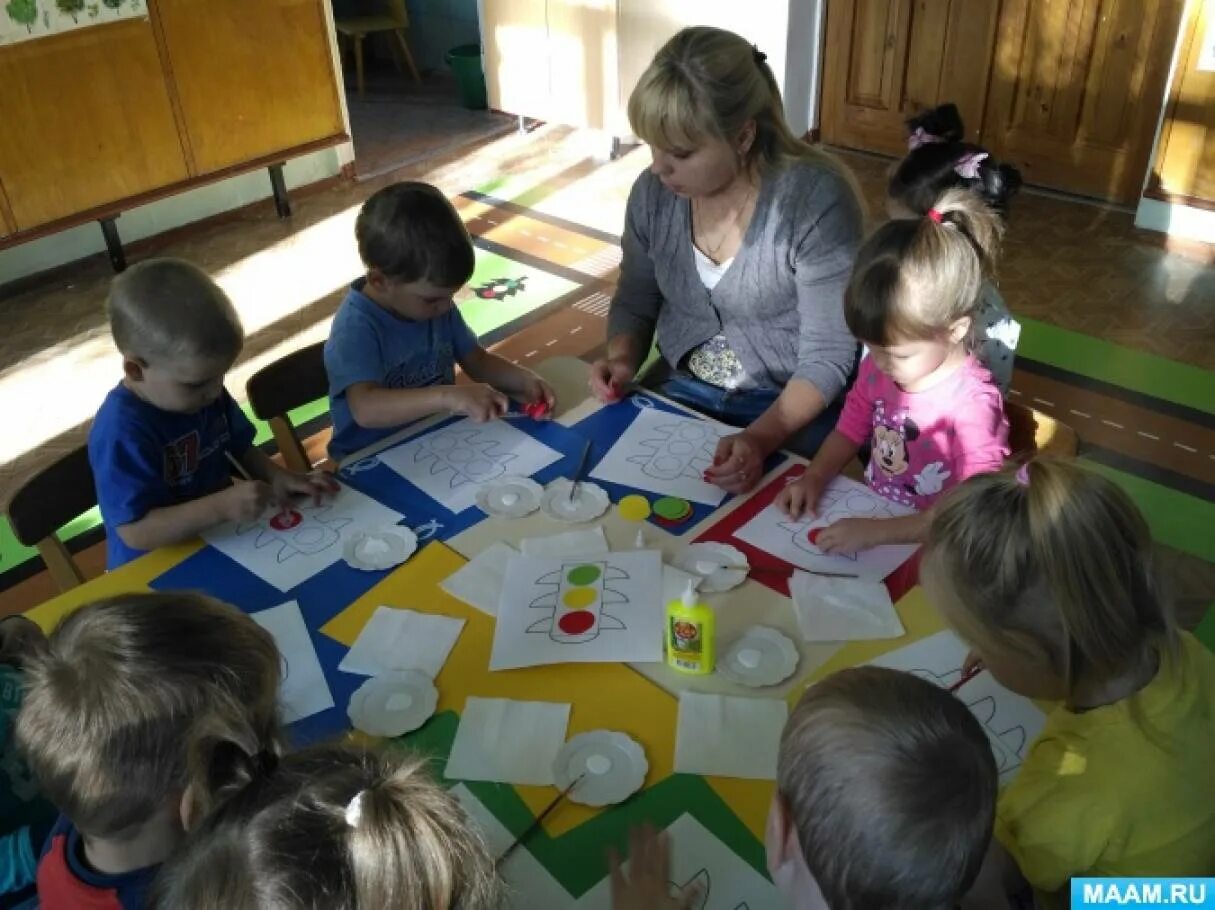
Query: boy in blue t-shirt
163	441
397	336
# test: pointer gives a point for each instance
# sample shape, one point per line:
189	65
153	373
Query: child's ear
780	839
132	368
377	279
960	329
188	809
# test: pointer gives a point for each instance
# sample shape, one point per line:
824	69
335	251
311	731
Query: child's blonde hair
162	309
112	696
891	784
915	277
1050	560
334	826
706	83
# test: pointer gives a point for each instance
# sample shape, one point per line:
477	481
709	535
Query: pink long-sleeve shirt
926	442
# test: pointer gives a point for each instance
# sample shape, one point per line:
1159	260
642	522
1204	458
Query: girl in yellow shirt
1047	571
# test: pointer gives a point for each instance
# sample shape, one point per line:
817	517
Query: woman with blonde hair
738	243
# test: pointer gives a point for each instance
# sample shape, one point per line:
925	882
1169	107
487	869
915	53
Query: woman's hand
738	463
610	377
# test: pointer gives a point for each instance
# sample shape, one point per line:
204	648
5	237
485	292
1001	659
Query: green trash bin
465	62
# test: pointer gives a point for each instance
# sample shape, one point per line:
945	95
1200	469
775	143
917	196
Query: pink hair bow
968	165
921	137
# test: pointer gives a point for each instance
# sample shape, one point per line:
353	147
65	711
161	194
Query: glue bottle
690	634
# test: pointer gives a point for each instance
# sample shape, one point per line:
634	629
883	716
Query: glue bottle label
687	651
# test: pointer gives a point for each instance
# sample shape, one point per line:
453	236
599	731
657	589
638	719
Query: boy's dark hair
891	784
410	232
940	159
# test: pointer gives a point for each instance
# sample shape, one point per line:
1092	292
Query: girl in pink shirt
930	412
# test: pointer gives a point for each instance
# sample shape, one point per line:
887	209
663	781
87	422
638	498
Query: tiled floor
550	198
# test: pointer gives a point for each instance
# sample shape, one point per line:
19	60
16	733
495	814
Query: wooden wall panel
87	121
252	78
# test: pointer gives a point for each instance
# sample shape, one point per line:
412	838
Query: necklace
711	250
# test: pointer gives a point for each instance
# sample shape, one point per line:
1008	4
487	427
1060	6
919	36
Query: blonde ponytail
914	278
1053	559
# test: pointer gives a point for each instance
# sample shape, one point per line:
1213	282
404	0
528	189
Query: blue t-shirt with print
369	344
145	458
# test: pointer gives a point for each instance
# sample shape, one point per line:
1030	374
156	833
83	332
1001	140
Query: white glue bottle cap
689	595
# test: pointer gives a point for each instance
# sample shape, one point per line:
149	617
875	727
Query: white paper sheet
450	464
479	581
775	532
287	549
700	860
1010	720
843	609
528	885
304	691
667	454
725	736
588	542
576	609
402	640
513	742
675	582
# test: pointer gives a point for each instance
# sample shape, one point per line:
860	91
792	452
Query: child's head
916	283
886	791
940	159
177	331
112	696
1047	571
416	250
332	826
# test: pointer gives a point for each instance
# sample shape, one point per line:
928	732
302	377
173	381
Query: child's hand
737	465
245	500
649	885
609	379
850	535
801	497
478	401
285	485
536	391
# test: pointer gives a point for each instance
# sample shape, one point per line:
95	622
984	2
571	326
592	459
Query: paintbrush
539	820
586	451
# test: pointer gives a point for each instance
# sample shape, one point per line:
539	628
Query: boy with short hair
162	441
885	800
111	700
398	335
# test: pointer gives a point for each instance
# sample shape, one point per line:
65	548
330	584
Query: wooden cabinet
1184	167
1076	90
89	122
7	226
1068	90
252	77
885	60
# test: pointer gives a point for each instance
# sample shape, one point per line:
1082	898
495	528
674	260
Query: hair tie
920	137
354	809
967	167
936	216
1022	475
759	55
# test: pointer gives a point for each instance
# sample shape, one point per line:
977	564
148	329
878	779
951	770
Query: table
641	700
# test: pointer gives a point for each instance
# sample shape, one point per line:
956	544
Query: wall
175	211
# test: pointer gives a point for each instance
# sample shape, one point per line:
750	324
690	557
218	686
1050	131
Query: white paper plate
393	704
377	550
707	560
614	766
510	497
761	656
590	501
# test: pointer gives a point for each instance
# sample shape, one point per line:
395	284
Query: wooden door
87	121
253	78
1076	89
516	56
886	60
1184	166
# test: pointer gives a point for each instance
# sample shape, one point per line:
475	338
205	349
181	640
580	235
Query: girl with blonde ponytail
1048	572
333	826
929	411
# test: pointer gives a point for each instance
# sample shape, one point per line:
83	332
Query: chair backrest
398	12
288	383
1032	433
46	502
